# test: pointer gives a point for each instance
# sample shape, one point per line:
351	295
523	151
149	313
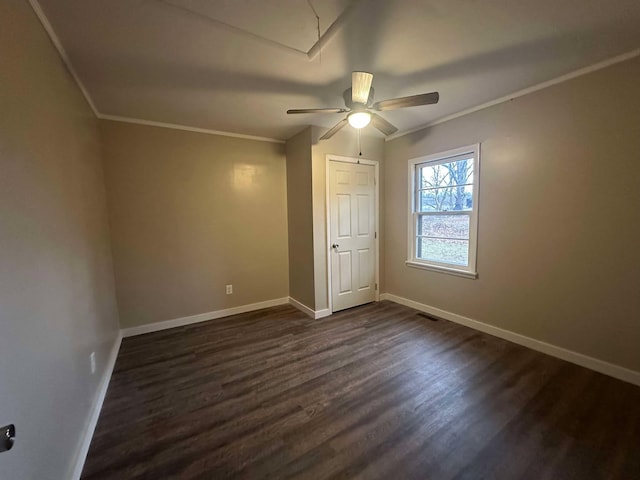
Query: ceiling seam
332	30
37	8
35	5
237	30
311	54
525	91
55	40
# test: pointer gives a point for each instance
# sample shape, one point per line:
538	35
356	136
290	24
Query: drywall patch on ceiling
287	24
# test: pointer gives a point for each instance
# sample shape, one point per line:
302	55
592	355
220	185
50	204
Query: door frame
338	158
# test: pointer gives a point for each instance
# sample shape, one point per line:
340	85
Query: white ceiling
238	65
248	17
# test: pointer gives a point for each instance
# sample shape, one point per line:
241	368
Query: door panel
344	215
364	268
352	234
345	274
364	216
362	178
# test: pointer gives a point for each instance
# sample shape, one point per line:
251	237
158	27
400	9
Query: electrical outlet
229	289
92	357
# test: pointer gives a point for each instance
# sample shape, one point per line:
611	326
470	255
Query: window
443	211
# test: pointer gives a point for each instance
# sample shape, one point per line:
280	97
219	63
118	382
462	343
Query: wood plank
372	392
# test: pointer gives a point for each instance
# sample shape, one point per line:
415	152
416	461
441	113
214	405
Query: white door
352	234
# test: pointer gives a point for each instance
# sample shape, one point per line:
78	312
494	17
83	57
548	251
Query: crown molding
62	52
526	91
175	126
67	61
311	54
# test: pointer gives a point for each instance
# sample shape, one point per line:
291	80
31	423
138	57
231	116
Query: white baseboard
201	317
83	449
302	307
325	312
315	314
616	371
601	366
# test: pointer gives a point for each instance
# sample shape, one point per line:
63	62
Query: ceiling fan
361	109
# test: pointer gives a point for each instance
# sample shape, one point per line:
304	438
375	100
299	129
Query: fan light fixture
361	109
359	119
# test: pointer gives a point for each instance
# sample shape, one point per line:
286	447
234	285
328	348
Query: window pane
455	252
446	174
446	199
434	176
448	226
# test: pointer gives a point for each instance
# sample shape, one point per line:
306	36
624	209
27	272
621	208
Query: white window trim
412	261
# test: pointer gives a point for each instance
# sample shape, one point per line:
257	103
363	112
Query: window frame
469	271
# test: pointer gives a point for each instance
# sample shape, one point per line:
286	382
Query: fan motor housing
349	102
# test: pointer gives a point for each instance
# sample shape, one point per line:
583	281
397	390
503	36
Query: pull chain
359	144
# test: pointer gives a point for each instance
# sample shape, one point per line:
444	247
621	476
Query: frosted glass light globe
359	119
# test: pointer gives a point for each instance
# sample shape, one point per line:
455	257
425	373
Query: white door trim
363	161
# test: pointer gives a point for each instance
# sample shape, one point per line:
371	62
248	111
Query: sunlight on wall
246	177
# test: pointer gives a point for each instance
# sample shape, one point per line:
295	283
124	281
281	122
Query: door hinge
375	234
376	286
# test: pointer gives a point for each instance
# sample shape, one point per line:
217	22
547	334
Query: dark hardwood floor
374	392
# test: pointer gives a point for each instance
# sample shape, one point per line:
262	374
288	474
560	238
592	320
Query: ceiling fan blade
333	130
403	102
381	124
360	86
317	110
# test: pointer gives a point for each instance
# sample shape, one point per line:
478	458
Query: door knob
335	245
7	437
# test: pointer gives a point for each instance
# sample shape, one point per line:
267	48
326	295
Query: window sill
435	268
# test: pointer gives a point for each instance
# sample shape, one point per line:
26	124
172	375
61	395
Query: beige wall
558	256
191	213
57	303
306	188
343	143
300	220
